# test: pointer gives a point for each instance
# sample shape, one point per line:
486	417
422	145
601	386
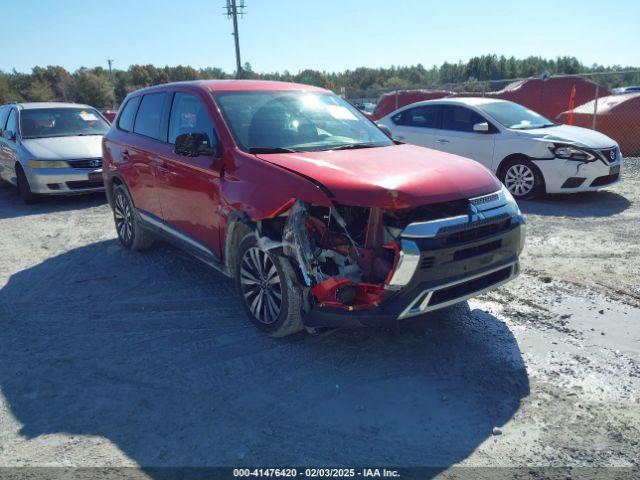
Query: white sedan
529	153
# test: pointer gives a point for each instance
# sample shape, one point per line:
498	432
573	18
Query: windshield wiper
255	150
351	146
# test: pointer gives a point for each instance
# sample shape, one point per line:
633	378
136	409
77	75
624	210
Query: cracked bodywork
346	257
338	271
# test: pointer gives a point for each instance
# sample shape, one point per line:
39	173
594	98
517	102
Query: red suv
321	218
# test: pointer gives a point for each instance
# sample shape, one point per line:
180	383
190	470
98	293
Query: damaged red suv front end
404	231
320	218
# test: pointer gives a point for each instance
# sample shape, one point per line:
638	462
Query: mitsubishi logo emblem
475	214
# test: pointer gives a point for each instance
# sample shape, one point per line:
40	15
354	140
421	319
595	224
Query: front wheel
522	179
267	288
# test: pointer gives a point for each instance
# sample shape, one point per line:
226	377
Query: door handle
442	140
163	169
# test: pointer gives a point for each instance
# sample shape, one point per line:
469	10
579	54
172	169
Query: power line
233	9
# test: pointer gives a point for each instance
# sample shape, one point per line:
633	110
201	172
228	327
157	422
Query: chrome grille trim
85	163
497	217
604	155
486	199
493	207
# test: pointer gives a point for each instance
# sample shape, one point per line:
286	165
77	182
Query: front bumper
453	264
422	298
567	176
64	181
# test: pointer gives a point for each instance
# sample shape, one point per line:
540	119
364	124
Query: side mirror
9	135
482	127
386	130
194	145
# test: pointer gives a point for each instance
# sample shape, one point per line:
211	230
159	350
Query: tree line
98	87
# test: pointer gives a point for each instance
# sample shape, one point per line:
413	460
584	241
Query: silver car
51	148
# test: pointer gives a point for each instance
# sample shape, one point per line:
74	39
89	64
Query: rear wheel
269	295
131	233
522	179
24	189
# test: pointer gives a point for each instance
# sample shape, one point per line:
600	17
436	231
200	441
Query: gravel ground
113	358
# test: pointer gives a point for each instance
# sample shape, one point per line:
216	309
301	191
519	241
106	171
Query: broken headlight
569	152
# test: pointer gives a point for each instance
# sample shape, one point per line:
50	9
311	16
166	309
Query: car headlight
507	195
510	200
47	164
569	152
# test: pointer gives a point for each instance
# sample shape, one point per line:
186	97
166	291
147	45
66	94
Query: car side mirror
194	145
386	130
482	127
9	135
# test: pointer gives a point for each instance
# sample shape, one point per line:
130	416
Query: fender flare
238	225
113	179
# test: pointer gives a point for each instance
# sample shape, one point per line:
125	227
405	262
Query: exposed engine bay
347	255
334	246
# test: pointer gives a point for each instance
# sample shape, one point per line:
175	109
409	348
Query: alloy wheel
123	214
519	179
261	285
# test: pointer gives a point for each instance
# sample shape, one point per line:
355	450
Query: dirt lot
115	358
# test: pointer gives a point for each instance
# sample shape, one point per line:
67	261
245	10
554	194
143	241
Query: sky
329	35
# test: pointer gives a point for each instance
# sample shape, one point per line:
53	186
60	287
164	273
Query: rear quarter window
128	115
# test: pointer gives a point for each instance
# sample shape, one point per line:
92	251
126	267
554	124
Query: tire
131	233
24	189
523	179
268	292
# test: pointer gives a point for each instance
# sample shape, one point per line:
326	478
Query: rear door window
425	116
149	116
459	119
128	115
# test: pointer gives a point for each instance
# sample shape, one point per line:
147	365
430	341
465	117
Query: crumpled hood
581	137
62	148
393	177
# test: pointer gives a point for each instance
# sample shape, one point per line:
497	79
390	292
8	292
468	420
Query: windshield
515	116
61	122
272	121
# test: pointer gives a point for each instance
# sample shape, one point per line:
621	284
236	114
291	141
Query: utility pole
113	90
235	8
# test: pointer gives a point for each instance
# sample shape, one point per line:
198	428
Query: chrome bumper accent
421	303
407	265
